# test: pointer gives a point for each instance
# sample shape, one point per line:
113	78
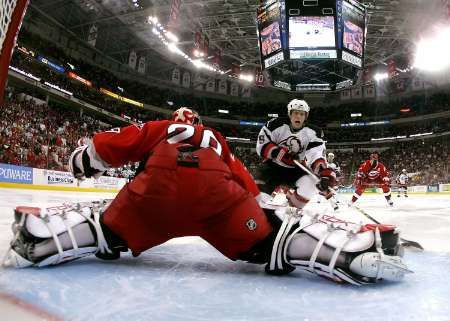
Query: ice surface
186	279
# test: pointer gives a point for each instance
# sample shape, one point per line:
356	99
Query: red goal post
11	16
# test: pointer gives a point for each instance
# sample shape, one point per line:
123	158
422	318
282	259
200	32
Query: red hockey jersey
133	143
373	173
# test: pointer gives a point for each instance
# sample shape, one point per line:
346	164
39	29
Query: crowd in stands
43	136
142	92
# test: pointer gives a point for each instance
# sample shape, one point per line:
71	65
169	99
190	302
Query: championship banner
223	87
92	36
176	76
174	14
246	92
141	65
259	78
211	86
369	91
186	81
199	81
356	93
345	94
132	59
234	89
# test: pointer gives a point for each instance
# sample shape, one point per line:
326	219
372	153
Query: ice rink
186	279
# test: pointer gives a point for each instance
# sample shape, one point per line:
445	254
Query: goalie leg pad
339	250
53	235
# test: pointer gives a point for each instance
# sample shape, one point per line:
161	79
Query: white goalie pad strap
51	222
340	235
67	255
291	217
47	222
338	275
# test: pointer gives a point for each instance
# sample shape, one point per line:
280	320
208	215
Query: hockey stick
405	242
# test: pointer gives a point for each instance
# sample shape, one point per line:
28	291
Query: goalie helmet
298	104
187	116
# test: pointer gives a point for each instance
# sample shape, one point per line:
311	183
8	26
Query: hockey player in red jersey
191	185
372	173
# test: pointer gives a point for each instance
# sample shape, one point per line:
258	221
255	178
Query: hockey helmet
404	170
298	104
375	155
330	156
187	116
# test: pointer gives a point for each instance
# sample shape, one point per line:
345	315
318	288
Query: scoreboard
326	34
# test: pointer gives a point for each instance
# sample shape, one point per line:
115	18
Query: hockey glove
327	180
282	155
80	164
386	180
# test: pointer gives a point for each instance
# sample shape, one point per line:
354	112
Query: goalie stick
405	242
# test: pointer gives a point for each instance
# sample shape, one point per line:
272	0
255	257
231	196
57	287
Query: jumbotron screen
311	31
353	38
269	30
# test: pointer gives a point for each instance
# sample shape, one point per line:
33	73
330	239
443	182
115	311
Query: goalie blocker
320	244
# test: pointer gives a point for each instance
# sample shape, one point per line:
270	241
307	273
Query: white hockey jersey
306	143
402	179
335	167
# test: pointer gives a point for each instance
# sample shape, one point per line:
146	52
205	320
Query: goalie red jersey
191	185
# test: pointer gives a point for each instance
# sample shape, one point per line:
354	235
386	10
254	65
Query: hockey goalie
191	185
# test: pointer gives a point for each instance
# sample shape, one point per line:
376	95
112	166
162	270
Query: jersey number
179	133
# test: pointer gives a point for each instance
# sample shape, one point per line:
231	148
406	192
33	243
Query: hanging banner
392	68
234	89
176	76
223	87
211	86
141	65
356	93
345	94
80	79
369	91
199	81
92	36
246	92
259	78
186	82
174	14
132	59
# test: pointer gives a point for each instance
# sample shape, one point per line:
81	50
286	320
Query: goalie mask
187	116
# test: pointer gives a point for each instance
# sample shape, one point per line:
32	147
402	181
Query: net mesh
6	11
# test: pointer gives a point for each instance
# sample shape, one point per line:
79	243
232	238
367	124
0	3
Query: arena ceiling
393	27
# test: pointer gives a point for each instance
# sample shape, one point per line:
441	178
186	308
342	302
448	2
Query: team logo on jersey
251	224
261	139
373	174
293	144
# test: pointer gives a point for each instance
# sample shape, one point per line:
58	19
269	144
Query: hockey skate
49	235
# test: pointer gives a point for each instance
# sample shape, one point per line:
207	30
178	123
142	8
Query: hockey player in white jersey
285	139
402	181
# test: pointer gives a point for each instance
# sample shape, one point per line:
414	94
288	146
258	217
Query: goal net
11	15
